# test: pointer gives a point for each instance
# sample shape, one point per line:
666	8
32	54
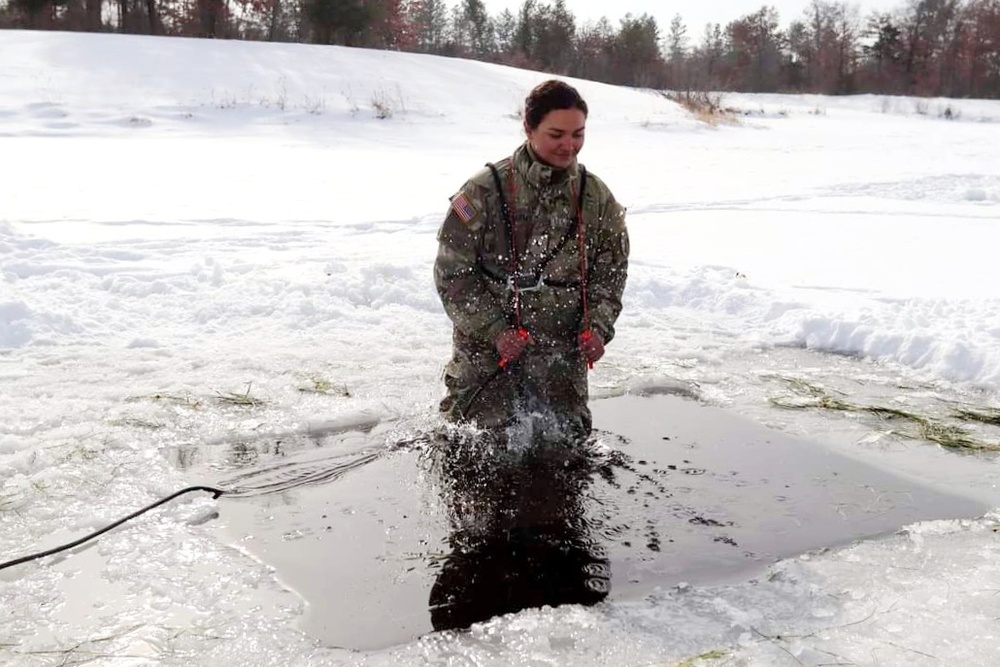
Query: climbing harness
518	282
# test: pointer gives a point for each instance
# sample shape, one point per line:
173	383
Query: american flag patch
463	208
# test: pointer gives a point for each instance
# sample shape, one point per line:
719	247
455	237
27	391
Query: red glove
511	344
591	345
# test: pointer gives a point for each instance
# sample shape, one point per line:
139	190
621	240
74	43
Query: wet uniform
471	274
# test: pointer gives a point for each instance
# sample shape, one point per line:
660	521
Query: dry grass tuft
901	423
705	106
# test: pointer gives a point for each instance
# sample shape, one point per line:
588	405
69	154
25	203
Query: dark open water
389	533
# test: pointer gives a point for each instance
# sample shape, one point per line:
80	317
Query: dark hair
549	96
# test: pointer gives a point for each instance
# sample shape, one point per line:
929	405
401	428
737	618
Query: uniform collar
539	174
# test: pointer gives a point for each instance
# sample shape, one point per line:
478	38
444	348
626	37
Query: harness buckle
525	282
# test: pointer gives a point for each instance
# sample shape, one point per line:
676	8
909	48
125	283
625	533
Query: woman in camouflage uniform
531	266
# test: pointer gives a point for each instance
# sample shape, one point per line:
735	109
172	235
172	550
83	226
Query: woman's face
559	137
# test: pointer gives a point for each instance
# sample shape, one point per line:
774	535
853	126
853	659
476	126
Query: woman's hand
511	344
591	345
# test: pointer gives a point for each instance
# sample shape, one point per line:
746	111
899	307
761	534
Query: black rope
464	406
24	559
514	315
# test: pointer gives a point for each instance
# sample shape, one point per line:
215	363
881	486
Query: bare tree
983	48
756	50
595	44
827	44
927	26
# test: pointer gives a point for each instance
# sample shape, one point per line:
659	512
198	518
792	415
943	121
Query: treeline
947	48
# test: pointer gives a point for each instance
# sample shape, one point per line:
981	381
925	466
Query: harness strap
512	242
526	282
582	253
507	217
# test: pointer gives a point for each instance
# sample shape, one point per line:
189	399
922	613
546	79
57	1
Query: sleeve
608	270
472	308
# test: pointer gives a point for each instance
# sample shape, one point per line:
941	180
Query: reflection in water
520	537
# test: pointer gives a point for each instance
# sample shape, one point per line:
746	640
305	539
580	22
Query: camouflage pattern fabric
473	260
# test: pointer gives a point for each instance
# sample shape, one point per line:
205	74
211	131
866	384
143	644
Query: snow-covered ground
188	223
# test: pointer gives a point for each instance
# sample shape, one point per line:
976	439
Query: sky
695	13
243	254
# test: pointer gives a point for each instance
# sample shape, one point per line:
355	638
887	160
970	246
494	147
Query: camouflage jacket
474	258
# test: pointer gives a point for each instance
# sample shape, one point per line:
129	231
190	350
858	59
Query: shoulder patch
463	208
